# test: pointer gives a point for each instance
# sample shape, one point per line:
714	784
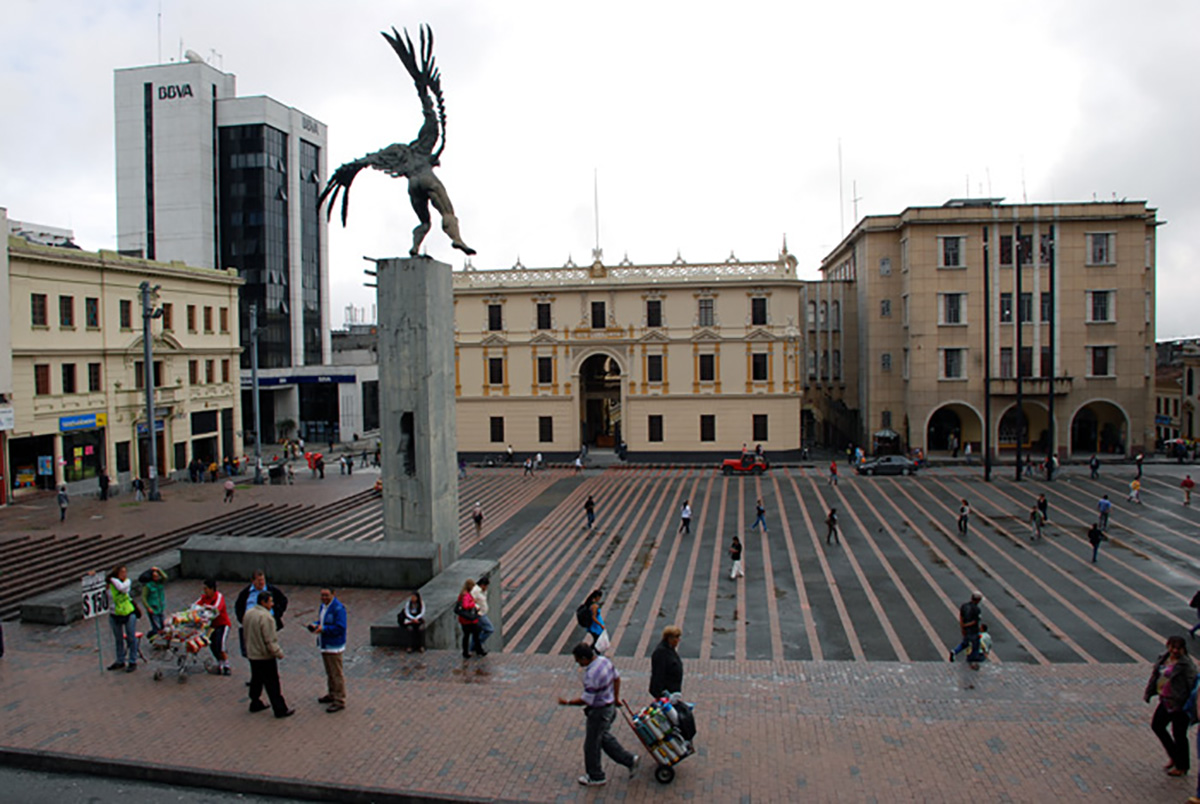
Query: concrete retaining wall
441	630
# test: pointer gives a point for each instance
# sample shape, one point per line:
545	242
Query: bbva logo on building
173	91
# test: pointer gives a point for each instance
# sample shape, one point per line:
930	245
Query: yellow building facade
78	400
948	322
673	358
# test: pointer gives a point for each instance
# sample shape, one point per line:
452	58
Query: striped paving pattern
890	591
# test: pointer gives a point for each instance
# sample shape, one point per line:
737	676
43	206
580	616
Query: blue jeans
124	630
591	516
156	621
483	631
598	737
970	641
760	520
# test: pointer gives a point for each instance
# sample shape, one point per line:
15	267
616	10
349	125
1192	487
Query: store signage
173	91
85	421
308	124
299	379
142	429
1160	419
8	418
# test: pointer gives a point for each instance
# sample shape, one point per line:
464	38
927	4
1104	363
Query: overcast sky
713	127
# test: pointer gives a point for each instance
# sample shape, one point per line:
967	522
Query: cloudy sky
712	127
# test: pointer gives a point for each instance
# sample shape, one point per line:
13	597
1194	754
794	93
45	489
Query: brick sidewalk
432	726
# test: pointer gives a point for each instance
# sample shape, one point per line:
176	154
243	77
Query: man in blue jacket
330	629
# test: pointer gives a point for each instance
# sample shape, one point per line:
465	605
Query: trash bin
275	473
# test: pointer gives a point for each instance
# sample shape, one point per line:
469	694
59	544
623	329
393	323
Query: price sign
95	595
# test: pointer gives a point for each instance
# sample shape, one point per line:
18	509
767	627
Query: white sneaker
588	781
633	766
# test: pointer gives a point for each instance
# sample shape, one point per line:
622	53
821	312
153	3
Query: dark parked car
888	465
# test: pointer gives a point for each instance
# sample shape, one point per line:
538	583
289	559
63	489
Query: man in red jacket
210	598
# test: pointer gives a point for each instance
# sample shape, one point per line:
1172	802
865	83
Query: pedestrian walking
1138	460
1095	536
964	516
213	600
229	488
291	474
967	453
1172	679
578	464
685	519
103	480
248	598
1195	604
477	518
1104	506
139	488
601	691
123	619
508	454
486	629
1187	485
154	598
1135	491
590	617
1094	466
1036	520
63	502
735	552
1029	466
412	619
968	623
760	516
1043	505
264	653
528	467
462	468
537	462
985	643
833	473
831	523
468	617
589	507
330	628
666	668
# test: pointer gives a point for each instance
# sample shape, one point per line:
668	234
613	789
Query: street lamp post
149	313
258	478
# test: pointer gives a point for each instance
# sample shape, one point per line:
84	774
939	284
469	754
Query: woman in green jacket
123	619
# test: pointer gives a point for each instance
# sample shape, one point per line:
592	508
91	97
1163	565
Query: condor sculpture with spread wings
417	159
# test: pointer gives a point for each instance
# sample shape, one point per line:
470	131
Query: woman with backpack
468	617
589	616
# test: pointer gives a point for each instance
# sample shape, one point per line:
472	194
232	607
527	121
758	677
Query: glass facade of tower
310	250
254	234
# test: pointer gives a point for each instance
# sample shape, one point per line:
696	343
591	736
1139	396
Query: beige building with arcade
673	358
78	399
941	306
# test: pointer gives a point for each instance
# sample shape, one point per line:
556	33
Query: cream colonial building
931	327
75	320
886	350
669	358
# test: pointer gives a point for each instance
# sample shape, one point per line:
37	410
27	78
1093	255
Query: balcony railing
1031	385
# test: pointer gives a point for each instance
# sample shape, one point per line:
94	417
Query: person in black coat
258	584
666	668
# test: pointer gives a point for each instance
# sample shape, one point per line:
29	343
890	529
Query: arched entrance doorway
1099	427
600	401
1030	428
953	426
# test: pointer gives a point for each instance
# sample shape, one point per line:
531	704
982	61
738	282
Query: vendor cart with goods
176	648
666	728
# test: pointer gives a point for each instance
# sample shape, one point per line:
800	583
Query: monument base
439	595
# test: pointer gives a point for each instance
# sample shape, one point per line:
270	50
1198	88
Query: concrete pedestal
416	401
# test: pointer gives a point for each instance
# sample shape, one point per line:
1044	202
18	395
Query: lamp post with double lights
149	313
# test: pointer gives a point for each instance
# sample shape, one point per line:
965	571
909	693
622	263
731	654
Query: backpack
583	615
1195	603
1190	706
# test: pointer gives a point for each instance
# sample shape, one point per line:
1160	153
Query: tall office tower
214	180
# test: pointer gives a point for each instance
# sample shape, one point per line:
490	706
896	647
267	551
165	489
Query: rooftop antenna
841	200
597	252
988	173
854	199
968	183
160	31
1024	195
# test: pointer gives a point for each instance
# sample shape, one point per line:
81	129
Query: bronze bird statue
417	159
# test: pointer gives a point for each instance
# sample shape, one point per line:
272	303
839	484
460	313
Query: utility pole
987	359
148	315
258	479
1022	425
1050	428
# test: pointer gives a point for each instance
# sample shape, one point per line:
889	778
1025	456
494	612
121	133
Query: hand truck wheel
664	774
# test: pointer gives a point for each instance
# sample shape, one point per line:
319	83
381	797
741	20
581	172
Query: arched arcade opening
1100	427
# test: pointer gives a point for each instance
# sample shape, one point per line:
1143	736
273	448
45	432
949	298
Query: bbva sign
173	91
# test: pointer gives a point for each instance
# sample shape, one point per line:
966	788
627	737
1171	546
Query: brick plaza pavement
435	728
